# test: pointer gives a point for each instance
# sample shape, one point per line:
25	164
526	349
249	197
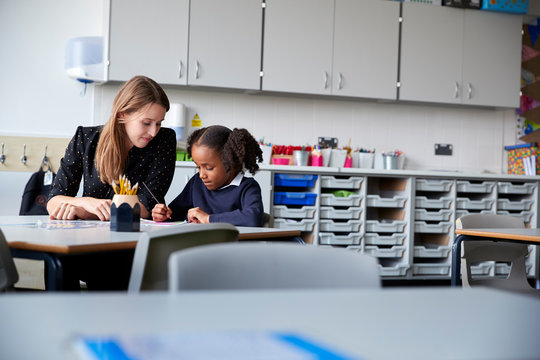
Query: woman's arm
69	208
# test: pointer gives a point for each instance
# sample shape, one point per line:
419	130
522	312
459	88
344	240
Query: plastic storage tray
377	239
439	228
460	213
431	269
397	270
393	252
436	252
333	239
393	202
305	212
335	183
483	187
426	203
523	215
509	188
395	226
332	213
468	204
441	215
433	185
330	225
332	200
482	269
302	225
506	204
294	198
294	180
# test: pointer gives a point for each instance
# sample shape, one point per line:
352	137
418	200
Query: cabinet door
366	42
431	53
149	38
492	59
297	54
225	43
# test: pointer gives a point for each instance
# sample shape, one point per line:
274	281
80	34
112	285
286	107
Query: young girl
220	193
131	143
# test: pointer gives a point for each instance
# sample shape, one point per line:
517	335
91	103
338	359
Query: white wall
38	99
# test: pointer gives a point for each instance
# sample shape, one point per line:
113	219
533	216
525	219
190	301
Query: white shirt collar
235	182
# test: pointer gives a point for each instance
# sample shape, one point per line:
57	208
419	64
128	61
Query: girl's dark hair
238	149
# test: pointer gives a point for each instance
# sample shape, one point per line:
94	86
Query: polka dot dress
153	164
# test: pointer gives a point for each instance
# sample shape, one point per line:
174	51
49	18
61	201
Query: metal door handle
325	80
456	90
470	90
340	81
197	68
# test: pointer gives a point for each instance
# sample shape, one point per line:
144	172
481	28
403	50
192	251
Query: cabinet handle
180	68
469	95
325	80
340	81
456	90
197	68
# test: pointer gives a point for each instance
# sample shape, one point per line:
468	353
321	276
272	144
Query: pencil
157	201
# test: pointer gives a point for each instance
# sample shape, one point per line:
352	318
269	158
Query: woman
131	143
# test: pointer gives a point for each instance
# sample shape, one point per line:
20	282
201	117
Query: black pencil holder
125	213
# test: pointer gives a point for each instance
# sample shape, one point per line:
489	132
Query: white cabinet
451	55
366	43
225	43
149	38
342	47
297	54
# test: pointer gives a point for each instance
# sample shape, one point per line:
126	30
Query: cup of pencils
125	207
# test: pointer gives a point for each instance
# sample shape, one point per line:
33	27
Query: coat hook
24	158
2	156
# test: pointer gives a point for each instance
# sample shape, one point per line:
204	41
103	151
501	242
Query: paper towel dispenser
84	59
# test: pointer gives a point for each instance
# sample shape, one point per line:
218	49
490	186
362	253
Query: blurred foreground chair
8	272
477	251
149	270
270	266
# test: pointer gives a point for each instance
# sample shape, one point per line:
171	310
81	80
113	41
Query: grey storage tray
333	183
305	212
376	239
397	270
509	188
429	252
468	204
397	201
482	269
431	269
302	225
426	203
507	204
437	185
439	228
332	200
395	226
393	252
332	213
523	215
333	226
441	215
483	187
333	239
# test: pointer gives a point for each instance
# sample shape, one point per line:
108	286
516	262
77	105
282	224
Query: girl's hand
101	208
66	211
197	215
161	212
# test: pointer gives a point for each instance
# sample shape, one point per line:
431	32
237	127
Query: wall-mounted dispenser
84	59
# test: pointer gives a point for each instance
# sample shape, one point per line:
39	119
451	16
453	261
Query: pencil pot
125	213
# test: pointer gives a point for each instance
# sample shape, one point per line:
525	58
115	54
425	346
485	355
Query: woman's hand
101	208
197	215
67	211
87	208
161	212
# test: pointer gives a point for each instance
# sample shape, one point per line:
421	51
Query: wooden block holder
125	213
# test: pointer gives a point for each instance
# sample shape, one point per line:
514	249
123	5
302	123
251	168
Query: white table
37	237
412	323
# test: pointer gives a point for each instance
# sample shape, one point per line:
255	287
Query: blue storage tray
294	180
294	198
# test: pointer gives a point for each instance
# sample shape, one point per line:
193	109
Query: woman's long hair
111	152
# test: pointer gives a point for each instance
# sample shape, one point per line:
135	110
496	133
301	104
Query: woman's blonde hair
111	152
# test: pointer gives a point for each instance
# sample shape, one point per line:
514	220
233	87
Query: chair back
149	269
473	252
252	265
8	272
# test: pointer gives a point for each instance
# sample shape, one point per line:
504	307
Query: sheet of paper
156	223
222	345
